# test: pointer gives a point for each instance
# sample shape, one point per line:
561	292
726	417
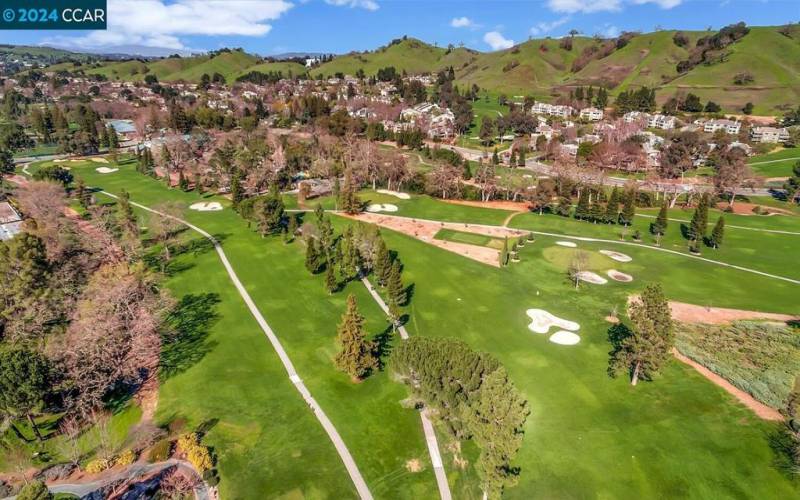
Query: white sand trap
384	207
206	206
99	160
569	244
591	277
619	276
541	321
619	257
105	170
563	337
396	194
60	160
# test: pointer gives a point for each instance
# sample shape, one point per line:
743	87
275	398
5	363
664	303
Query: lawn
469	238
589	436
266	438
775	164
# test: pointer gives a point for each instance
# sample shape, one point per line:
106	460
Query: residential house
664	122
769	134
729	126
592	114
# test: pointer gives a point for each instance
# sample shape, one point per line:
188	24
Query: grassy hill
410	55
285	67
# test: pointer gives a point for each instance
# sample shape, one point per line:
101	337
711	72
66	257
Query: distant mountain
762	67
295	55
121	51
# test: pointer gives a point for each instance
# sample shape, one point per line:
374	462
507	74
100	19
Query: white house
664	122
729	126
592	114
769	134
634	116
561	111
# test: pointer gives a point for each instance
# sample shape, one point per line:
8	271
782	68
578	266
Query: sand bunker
541	321
591	277
207	206
563	337
569	244
619	257
396	194
618	276
382	207
99	160
105	170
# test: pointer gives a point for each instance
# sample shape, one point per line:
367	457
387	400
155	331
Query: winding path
427	426
333	434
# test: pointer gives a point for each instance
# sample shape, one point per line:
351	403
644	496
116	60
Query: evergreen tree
183	182
271	214
643	350
395	291
312	258
628	208
699	223
125	216
512	161
198	184
383	263
495	158
357	355
82	194
237	193
612	208
291	228
331	285
596	213
348	199
24	384
521	157
504	253
718	232
582	210
660	225
350	263
35	490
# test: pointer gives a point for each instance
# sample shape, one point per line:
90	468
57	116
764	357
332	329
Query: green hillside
409	55
123	70
228	64
284	67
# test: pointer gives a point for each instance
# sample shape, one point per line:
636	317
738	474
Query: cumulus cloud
589	6
462	22
543	28
497	41
609	31
155	23
364	4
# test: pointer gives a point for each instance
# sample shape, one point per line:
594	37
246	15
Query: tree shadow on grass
383	345
782	443
185	341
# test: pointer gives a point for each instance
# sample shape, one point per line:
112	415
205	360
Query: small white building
635	116
664	122
769	134
561	111
592	114
729	126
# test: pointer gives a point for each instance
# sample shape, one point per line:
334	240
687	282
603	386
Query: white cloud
462	22
664	4
364	4
497	41
154	23
609	31
585	6
545	27
589	6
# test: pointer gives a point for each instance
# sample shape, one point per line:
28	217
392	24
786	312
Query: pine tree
125	216
383	263
718	232
198	184
331	285
350	262
395	291
521	157
271	214
643	350
237	194
495	158
582	210
504	253
612	208
596	213
699	223
660	225
82	194
512	161
356	356
183	182
291	229
312	259
628	208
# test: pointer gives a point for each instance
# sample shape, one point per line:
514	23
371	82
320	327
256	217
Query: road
294	377
427	426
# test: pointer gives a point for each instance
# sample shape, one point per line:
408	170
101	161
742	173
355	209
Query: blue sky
338	26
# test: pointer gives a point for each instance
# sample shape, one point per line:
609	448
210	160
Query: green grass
266	438
469	238
781	163
38	150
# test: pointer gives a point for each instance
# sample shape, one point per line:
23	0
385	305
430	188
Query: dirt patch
690	313
414	465
760	409
516	206
426	231
742	208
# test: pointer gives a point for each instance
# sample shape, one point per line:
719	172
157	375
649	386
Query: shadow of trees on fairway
185	340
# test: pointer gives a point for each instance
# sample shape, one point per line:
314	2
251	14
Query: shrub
97	465
35	490
160	451
127	457
197	454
